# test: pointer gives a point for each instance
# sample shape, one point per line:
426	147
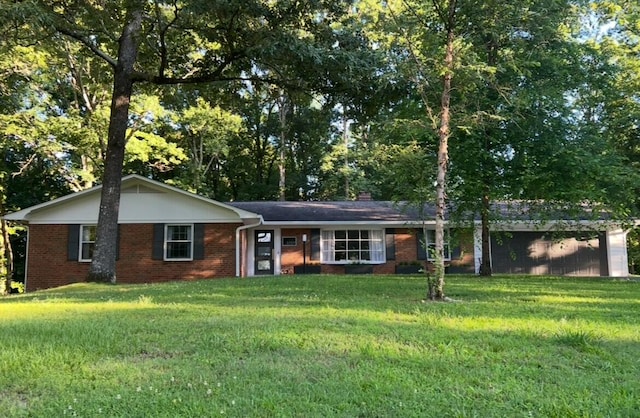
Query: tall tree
197	41
207	133
420	30
512	116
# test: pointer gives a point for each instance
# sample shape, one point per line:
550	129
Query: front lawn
323	346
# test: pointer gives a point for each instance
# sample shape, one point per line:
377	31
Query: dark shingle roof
361	211
338	211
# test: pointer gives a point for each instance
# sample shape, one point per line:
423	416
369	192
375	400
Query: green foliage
16	287
545	100
154	150
323	346
633	240
206	133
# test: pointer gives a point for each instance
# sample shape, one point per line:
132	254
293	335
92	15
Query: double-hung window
87	242
178	243
431	245
353	246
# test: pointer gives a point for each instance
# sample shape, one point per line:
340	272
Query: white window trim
166	242
81	242
323	250
295	241
429	244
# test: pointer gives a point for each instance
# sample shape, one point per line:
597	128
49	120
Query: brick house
166	233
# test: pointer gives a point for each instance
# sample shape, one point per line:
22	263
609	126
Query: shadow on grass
354	358
354	345
519	297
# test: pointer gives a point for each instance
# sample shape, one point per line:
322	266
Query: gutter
238	251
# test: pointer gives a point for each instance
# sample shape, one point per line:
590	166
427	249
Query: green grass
323	346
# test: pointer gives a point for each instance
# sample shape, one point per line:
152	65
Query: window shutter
421	245
198	241
390	242
456	252
73	242
315	245
158	242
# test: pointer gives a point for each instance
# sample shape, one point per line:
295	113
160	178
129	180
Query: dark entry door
264	252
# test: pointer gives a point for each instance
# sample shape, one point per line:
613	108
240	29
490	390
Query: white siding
138	204
81	210
617	255
170	207
477	247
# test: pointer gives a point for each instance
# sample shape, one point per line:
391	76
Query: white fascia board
323	224
92	221
184	221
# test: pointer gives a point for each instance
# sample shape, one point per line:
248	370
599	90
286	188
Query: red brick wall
292	256
49	267
406	245
406	250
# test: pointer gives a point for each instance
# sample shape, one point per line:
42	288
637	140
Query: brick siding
49	267
406	250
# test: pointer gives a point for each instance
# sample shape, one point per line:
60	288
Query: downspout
26	259
238	250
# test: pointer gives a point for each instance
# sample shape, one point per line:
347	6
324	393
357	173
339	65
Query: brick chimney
364	196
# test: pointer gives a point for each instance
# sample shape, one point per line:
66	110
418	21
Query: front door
264	252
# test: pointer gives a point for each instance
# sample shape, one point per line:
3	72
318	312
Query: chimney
364	196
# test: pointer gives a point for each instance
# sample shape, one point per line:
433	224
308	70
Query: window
289	241
87	242
178	242
431	245
353	246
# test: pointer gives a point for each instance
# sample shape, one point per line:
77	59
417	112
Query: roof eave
24	214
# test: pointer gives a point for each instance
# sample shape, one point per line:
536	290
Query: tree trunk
345	138
282	170
443	157
7	252
103	263
485	263
492	94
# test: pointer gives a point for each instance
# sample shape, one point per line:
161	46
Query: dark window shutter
421	245
456	252
604	251
198	241
73	243
315	245
390	242
158	242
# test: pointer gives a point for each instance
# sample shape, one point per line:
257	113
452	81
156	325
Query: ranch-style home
166	233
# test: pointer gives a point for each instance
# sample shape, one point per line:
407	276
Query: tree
28	158
207	132
418	32
512	113
168	43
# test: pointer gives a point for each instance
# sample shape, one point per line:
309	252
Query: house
166	233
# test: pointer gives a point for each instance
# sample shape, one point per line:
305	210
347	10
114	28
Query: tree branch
87	42
162	36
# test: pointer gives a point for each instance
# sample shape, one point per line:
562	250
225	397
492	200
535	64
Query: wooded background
323	99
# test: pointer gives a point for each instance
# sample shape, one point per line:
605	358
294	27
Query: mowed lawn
324	346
